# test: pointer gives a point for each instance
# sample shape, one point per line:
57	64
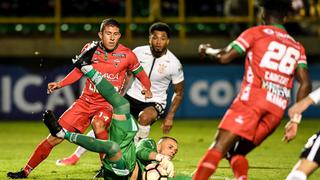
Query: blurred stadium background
39	38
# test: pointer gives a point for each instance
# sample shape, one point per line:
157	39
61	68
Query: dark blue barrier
209	90
23	92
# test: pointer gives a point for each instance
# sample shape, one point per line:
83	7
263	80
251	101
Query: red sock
41	153
240	166
103	136
207	165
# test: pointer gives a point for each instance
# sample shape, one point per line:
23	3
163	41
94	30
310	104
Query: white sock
86	69
296	175
142	133
61	134
242	177
80	150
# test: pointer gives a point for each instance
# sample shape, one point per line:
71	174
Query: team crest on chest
95	60
116	62
162	68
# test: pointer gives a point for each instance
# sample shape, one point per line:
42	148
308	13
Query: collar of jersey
105	49
279	26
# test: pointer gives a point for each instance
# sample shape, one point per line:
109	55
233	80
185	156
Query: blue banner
23	92
209	90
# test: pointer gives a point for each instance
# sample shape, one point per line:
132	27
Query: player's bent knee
145	120
98	125
296	175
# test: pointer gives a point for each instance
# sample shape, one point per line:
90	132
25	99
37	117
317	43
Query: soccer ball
154	171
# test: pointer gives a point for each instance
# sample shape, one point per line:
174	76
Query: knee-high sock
240	166
39	154
93	144
207	165
106	89
80	150
103	135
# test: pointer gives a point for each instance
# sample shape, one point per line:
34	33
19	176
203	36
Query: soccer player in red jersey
273	58
112	60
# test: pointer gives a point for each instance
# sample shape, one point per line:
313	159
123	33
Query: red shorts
78	117
250	122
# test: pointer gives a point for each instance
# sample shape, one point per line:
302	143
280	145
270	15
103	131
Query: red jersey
113	65
272	57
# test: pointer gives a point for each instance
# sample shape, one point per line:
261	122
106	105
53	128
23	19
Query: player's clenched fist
202	49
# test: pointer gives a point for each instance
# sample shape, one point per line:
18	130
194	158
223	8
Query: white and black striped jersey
161	71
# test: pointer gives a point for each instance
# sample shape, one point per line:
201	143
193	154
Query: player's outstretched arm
72	77
223	56
300	107
52	86
176	102
295	114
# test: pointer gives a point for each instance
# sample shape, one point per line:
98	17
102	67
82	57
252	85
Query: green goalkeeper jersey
144	148
123	132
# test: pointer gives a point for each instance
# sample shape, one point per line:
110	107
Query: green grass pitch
272	160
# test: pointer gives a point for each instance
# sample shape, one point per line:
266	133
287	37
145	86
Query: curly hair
160	26
276	7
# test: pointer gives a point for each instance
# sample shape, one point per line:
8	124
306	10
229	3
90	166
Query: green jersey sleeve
144	148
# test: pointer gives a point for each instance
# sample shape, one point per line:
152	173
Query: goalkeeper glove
168	166
160	157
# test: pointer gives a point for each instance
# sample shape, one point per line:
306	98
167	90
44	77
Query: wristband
296	118
212	52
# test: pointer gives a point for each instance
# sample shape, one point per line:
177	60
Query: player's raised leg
123	127
75	156
110	148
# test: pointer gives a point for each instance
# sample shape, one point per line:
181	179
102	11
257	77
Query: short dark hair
278	8
109	21
167	137
160	26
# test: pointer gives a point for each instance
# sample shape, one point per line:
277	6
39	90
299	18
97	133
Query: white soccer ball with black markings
154	171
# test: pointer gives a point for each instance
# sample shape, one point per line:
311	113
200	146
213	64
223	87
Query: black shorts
137	106
311	149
